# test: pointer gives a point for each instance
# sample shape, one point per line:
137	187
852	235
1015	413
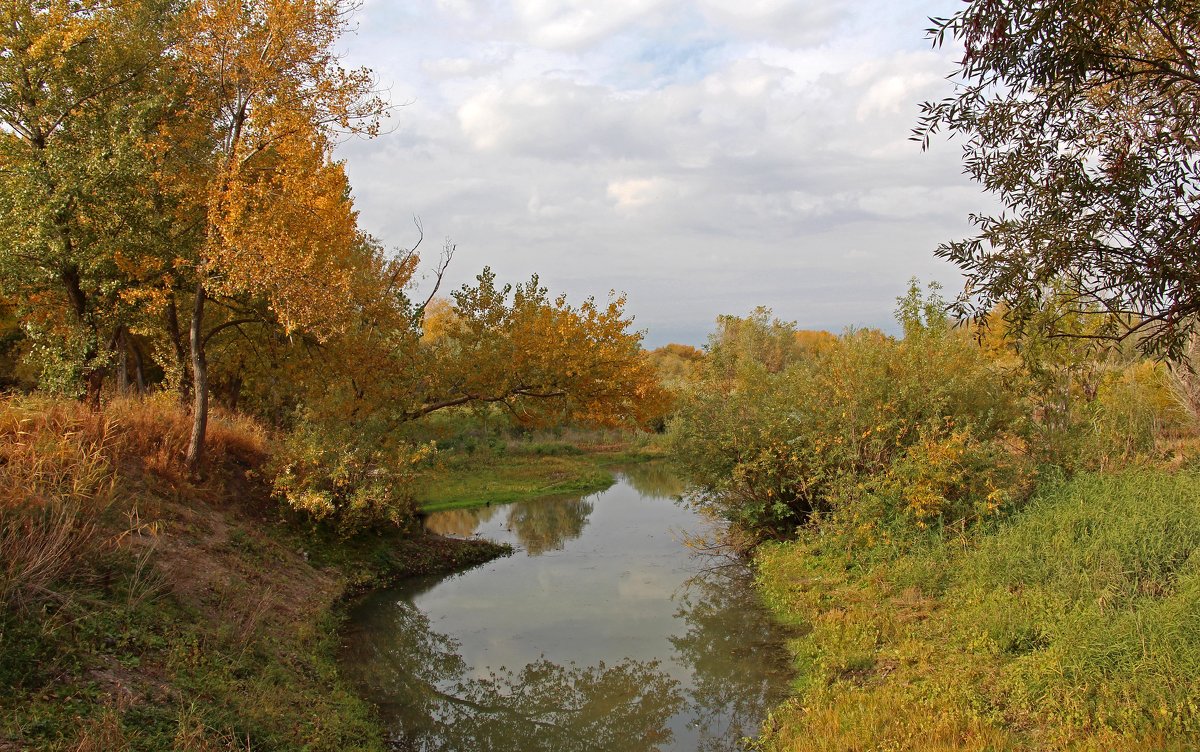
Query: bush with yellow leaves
922	430
346	482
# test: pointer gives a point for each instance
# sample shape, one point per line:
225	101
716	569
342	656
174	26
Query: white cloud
699	157
464	10
894	85
464	67
559	24
636	192
792	23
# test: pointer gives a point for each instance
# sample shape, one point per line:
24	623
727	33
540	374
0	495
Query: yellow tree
542	358
539	356
266	94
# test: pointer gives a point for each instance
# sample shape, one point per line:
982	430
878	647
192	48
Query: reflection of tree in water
546	524
740	668
423	690
653	480
460	522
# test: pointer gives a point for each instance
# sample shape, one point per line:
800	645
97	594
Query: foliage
868	430
539	354
78	101
760	339
676	363
1080	117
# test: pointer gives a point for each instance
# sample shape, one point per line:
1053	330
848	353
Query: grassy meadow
1074	624
503	469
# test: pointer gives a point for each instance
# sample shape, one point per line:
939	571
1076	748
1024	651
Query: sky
702	157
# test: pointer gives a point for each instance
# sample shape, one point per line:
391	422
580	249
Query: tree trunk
94	379
181	355
122	348
138	367
195	452
93	373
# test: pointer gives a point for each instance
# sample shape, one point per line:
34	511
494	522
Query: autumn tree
676	362
367	389
541	356
515	346
266	93
1081	117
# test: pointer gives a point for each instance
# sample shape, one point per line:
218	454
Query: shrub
333	479
926	429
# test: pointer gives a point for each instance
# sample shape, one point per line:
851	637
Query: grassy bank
1075	624
146	611
517	470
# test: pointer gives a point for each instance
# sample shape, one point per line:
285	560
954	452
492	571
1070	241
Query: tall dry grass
155	430
59	469
56	477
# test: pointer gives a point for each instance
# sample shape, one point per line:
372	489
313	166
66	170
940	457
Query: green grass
471	480
1075	624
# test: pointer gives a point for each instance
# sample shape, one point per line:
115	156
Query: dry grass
58	468
56	478
155	430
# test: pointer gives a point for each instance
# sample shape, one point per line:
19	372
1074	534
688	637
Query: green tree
1080	115
78	101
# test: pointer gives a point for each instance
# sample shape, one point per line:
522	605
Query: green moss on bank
1073	625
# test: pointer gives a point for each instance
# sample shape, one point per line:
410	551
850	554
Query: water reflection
546	524
425	689
540	525
728	630
623	639
459	523
653	480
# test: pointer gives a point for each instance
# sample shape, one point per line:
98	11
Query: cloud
637	192
705	157
791	23
465	67
894	85
567	24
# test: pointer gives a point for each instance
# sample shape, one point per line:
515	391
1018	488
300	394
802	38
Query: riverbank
147	611
1072	625
522	470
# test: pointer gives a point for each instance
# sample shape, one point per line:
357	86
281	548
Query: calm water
603	632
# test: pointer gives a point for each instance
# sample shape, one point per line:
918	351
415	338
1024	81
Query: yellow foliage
440	321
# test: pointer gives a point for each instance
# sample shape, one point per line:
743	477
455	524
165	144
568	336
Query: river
604	631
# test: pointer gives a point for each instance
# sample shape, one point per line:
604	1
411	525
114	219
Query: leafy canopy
1080	115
